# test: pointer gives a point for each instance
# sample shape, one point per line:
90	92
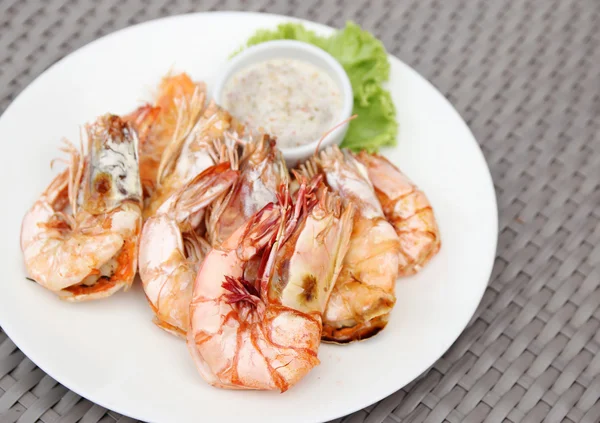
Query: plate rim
489	182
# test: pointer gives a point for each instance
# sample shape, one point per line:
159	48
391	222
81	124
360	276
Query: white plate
110	352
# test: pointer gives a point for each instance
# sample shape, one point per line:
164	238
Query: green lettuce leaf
375	126
287	31
365	60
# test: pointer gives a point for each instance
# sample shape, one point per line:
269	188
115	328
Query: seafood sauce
290	99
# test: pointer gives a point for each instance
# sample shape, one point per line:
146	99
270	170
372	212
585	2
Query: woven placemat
526	77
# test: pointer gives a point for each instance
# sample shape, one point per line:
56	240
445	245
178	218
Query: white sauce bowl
289	49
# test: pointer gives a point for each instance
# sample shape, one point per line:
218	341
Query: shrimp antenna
329	131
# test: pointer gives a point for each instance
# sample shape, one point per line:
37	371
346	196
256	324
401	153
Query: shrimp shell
407	209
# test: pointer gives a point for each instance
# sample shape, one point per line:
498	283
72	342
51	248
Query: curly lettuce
365	60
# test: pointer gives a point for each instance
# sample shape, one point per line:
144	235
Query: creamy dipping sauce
290	99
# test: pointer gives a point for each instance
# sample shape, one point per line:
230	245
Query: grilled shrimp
262	172
363	295
407	209
171	250
178	98
261	329
80	238
191	151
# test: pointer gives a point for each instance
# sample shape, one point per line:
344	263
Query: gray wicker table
526	77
